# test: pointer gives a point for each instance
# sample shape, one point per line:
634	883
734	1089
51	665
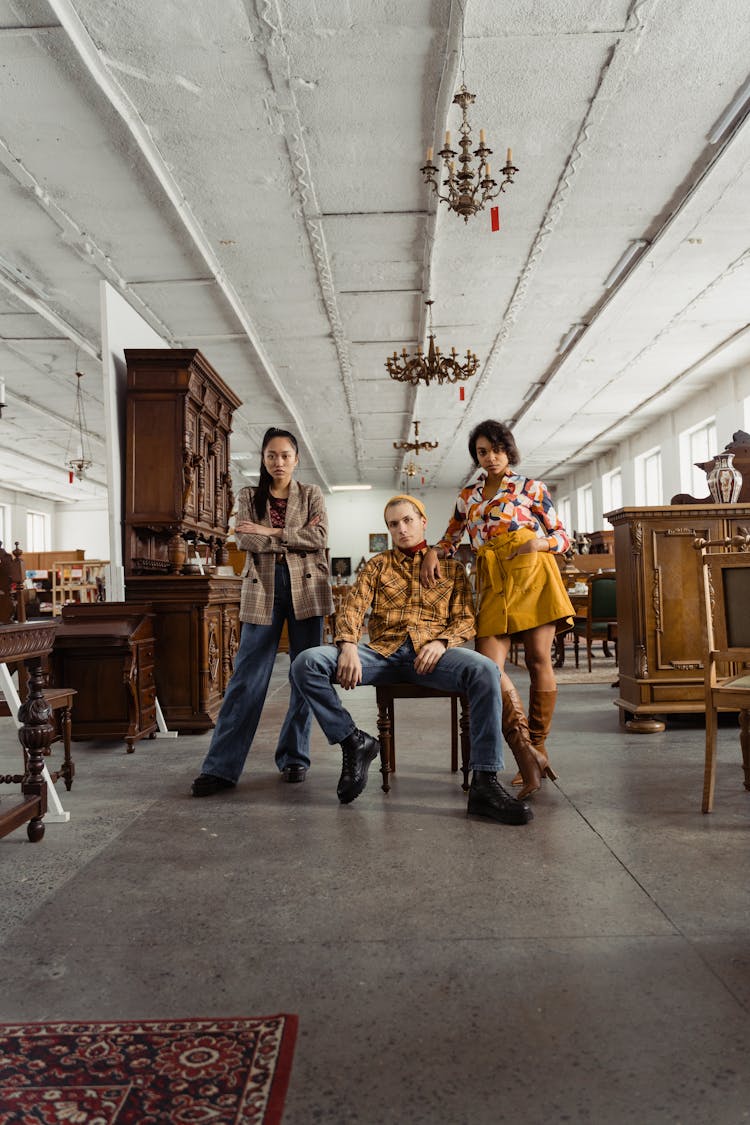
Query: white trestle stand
162	732
55	813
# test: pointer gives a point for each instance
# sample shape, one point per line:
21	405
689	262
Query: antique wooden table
30	642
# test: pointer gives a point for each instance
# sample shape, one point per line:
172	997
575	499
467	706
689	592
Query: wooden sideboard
197	630
661	636
106	653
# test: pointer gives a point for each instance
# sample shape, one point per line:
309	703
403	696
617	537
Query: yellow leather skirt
519	593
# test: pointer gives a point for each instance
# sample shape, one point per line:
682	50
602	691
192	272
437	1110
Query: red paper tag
495	218
70	476
461	394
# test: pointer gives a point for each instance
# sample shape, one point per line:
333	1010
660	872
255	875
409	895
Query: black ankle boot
488	798
359	749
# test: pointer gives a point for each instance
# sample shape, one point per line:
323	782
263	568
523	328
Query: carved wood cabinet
197	629
178	491
106	653
661	636
177	479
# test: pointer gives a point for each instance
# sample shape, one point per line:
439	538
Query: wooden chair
386	694
601	614
726	606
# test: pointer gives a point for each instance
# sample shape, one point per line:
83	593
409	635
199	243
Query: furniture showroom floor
593	966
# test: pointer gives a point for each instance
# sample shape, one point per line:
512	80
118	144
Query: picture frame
378	541
341	567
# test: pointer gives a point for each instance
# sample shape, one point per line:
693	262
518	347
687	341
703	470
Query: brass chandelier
77	466
469	189
421	368
415	446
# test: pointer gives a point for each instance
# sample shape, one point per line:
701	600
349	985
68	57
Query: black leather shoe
295	772
206	784
359	749
488	798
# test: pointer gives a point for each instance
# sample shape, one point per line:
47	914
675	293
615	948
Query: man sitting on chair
415	636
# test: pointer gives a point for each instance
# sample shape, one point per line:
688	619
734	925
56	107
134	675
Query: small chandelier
77	466
467	190
415	446
421	368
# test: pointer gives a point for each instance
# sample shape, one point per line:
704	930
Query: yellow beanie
403	498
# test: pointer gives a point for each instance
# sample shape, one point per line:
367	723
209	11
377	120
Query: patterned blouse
519	502
277	511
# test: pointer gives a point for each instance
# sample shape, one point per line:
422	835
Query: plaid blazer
306	556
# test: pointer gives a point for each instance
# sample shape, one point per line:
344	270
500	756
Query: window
585	500
5	526
648	488
611	492
37	531
562	507
696	444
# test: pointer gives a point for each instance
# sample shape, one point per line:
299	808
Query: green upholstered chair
601	614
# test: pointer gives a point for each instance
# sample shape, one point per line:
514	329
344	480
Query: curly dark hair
499	436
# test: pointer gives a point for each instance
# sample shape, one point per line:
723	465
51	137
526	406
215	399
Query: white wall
84	525
724	400
19	504
352	516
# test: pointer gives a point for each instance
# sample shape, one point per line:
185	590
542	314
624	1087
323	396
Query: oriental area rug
147	1072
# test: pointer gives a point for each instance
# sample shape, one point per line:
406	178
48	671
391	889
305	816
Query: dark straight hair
260	500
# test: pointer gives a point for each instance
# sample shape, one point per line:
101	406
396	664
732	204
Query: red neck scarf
411	551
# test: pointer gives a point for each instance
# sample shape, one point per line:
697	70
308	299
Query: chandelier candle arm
434	366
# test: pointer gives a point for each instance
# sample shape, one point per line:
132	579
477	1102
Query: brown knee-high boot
516	734
541	710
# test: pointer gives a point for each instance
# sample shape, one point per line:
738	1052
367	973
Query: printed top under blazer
305	551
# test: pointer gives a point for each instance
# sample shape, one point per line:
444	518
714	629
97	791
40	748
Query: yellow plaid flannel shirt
402	607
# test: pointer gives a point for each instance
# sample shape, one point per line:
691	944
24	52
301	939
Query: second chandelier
421	368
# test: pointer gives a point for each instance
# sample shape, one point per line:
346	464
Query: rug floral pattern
152	1072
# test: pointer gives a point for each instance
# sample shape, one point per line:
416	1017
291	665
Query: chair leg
589	642
454	734
709	772
465	742
575	647
745	744
385	734
68	769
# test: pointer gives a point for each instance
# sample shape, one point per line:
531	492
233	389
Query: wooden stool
385	694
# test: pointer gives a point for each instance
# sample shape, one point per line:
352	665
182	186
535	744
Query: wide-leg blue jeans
246	693
458	669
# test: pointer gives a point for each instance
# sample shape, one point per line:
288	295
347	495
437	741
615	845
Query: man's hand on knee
428	656
349	667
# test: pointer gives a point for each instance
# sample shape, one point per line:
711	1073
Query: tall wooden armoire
178	499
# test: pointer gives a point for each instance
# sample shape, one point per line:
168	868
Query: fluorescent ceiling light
572	334
350	487
734	108
632	251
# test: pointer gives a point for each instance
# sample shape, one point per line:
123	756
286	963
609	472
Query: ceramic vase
724	481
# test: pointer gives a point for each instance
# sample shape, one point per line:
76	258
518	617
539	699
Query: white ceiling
246	174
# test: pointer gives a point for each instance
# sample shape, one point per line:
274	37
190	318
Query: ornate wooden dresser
659	623
106	653
178	499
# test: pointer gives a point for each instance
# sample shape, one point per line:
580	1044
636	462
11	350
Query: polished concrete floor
590	967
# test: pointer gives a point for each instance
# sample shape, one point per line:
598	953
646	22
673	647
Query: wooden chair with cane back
726	608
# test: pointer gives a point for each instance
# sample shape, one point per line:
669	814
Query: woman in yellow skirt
513	528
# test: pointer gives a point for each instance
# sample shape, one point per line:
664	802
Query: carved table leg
35	735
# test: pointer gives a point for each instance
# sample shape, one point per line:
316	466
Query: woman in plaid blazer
283	528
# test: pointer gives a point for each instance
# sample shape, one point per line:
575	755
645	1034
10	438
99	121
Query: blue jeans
246	693
459	669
